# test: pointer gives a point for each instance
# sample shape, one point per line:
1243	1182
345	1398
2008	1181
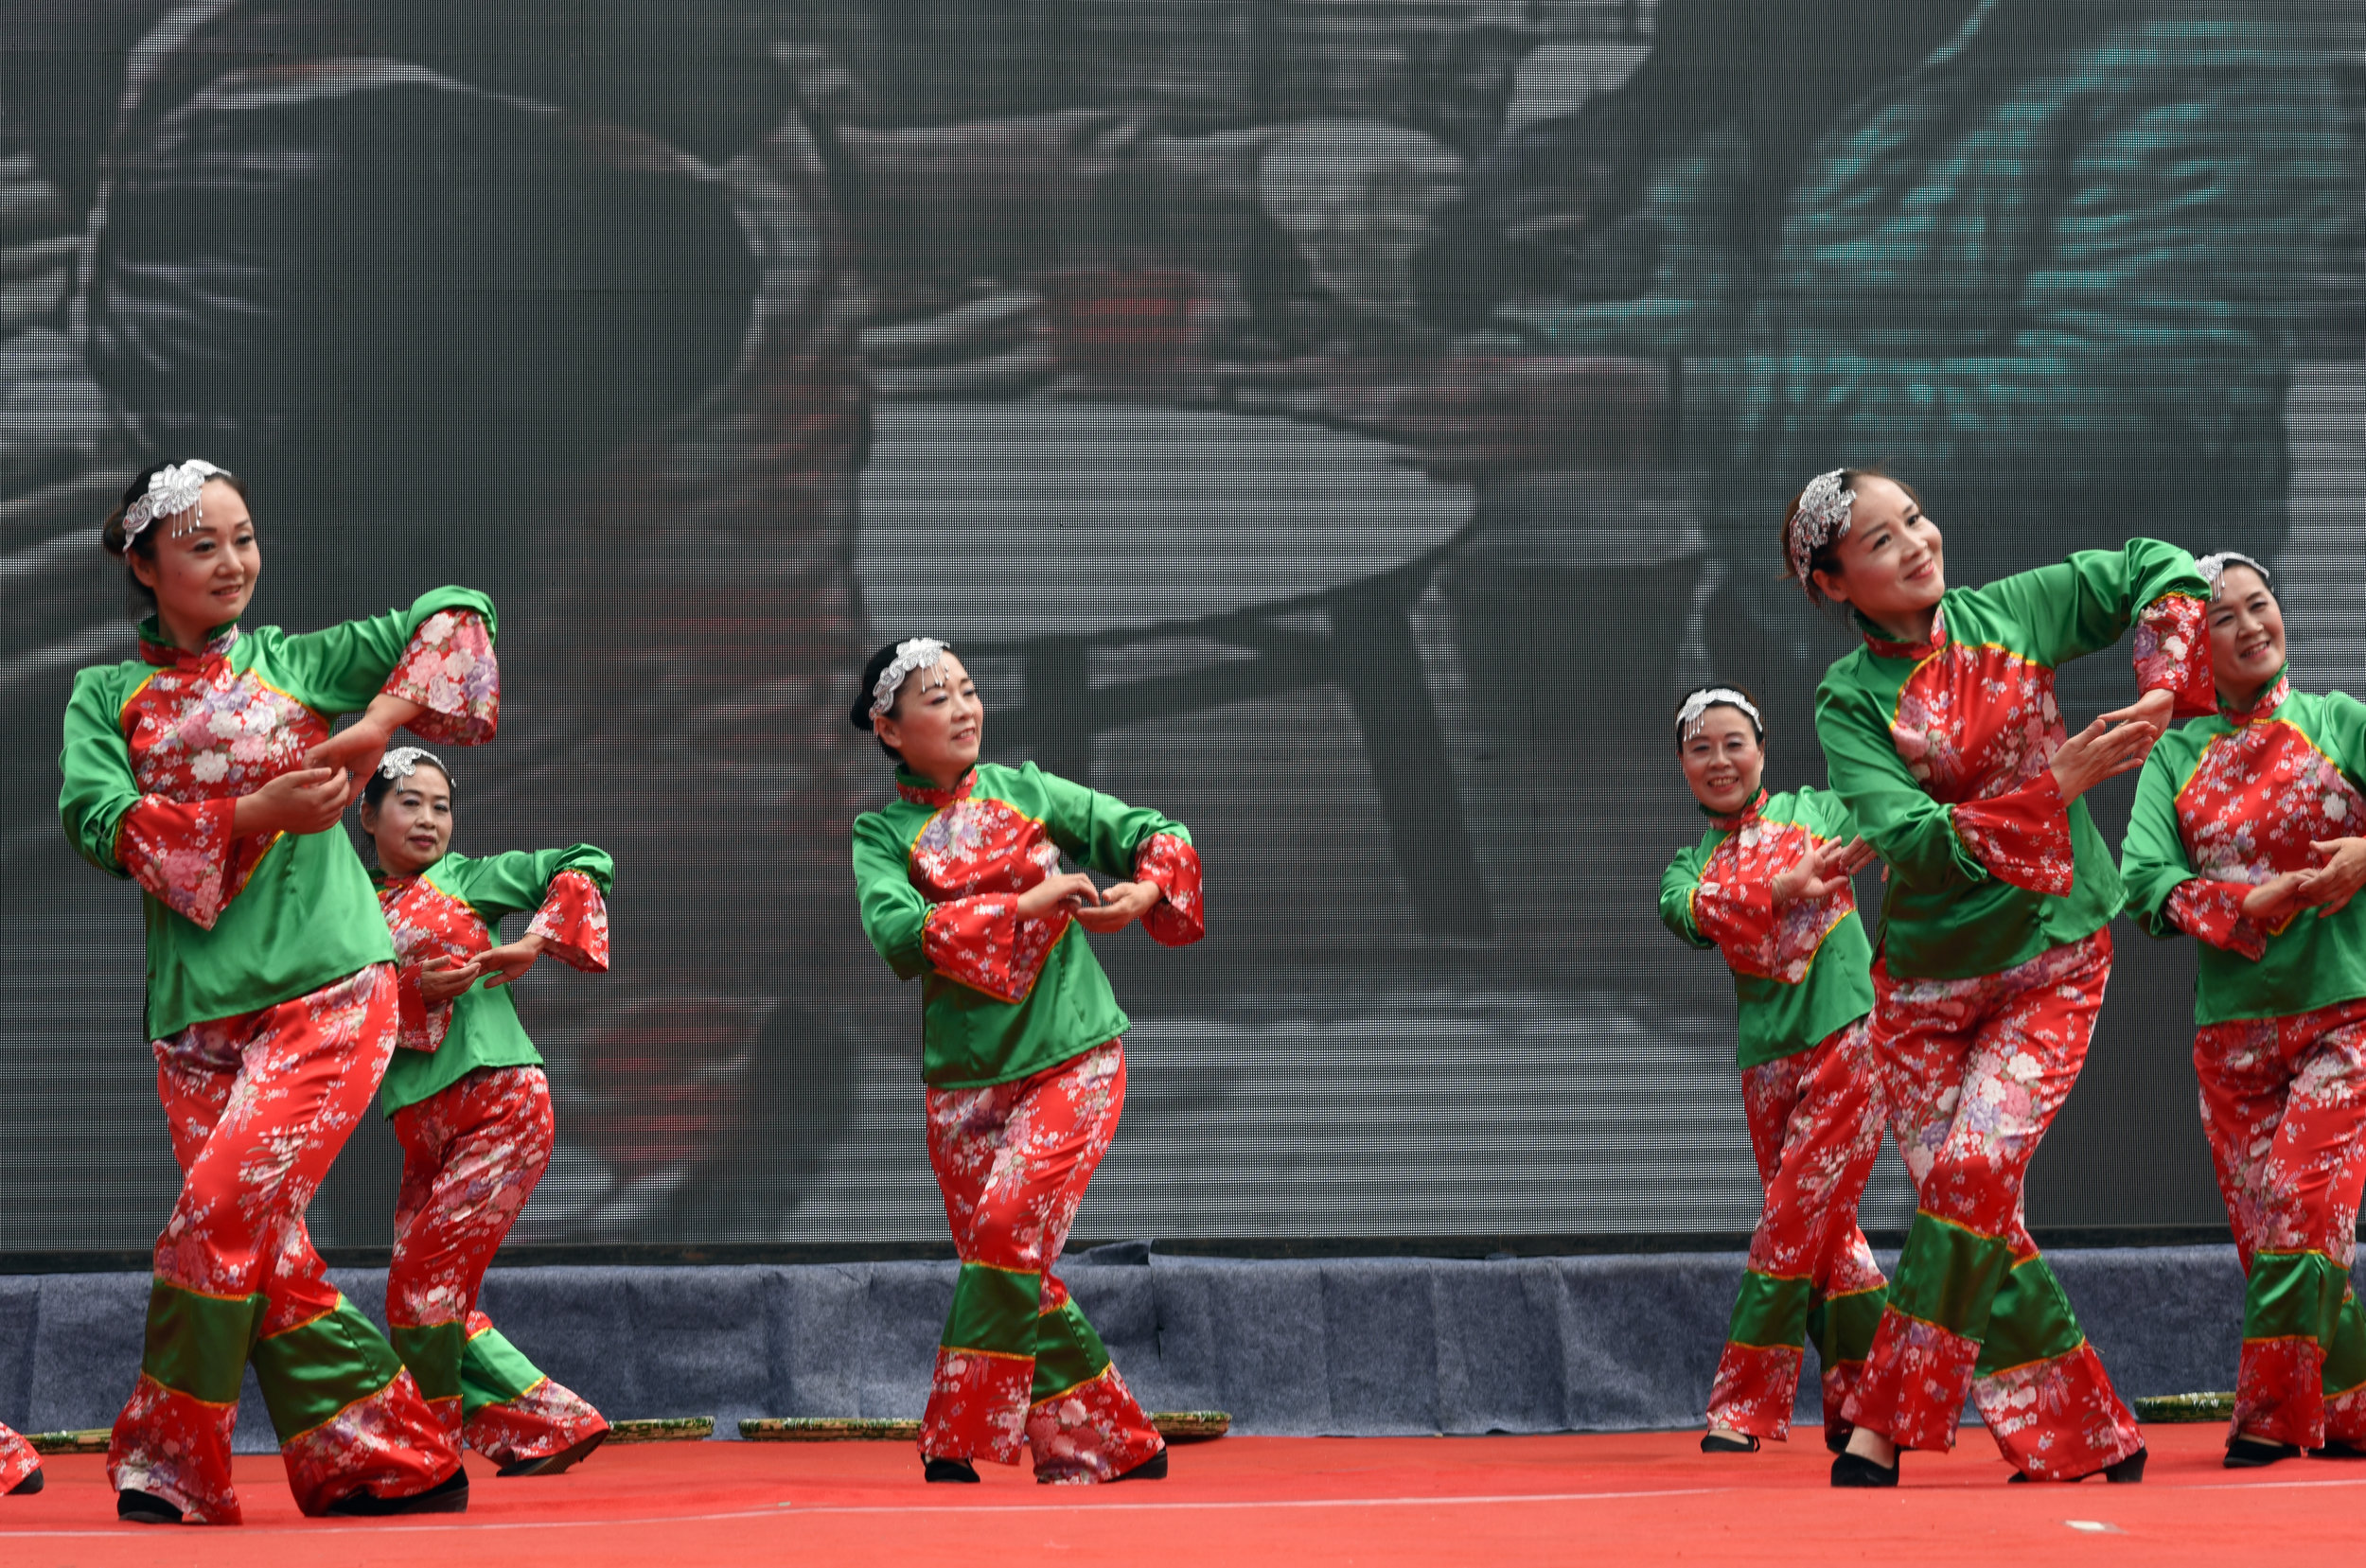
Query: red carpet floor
1246	1501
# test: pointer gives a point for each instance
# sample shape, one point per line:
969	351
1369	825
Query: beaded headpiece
1822	516
172	491
2214	569
913	653
1691	717
404	760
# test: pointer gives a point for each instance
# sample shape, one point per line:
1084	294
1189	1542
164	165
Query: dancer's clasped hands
2327	889
1097	909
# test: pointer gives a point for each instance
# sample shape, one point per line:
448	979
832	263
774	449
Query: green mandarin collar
1881	643
2263	706
156	649
925	792
1728	824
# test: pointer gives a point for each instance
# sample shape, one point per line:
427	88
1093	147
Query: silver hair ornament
1695	711
2214	569
1822	516
173	490
403	759
913	653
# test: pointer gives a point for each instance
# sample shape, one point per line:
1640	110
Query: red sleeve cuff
1179	919
2022	837
449	671
981	942
418	1024
573	923
184	854
2173	653
1738	916
2212	912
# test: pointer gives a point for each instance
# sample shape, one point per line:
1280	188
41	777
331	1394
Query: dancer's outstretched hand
2331	886
1068	890
2109	747
1821	871
1121	904
443	978
504	965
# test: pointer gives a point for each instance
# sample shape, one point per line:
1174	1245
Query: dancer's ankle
1866	1443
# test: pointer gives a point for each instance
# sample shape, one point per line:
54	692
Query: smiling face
2246	636
202	576
1722	759
937	722
412	824
1892	566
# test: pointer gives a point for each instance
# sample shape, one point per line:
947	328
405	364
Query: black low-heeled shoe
1152	1468
1716	1442
2257	1453
30	1485
1855	1469
142	1507
948	1470
554	1464
2339	1448
449	1495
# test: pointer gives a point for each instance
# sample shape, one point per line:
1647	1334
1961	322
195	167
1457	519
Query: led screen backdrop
1347	425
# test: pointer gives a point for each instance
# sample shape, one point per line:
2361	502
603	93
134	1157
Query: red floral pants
471	1154
1018	1366
2283	1105
258	1106
1973	1072
1815	1125
17	1460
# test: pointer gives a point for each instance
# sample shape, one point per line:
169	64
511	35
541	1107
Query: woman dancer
961	884
2246	821
1768	885
1942	736
204	770
469	1103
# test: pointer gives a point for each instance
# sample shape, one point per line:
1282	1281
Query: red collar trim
2262	710
1746	815
165	656
922	793
1917	651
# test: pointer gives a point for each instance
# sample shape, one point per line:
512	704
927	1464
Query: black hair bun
860	714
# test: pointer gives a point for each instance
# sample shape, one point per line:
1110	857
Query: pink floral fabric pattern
1012	1161
187	855
17	1460
573	923
1973	1072
425	923
2261	795
2172	652
450	670
1177	919
1978	727
472	1154
259	1107
2284	1106
972	861
1816	1126
201	734
1734	906
2212	912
